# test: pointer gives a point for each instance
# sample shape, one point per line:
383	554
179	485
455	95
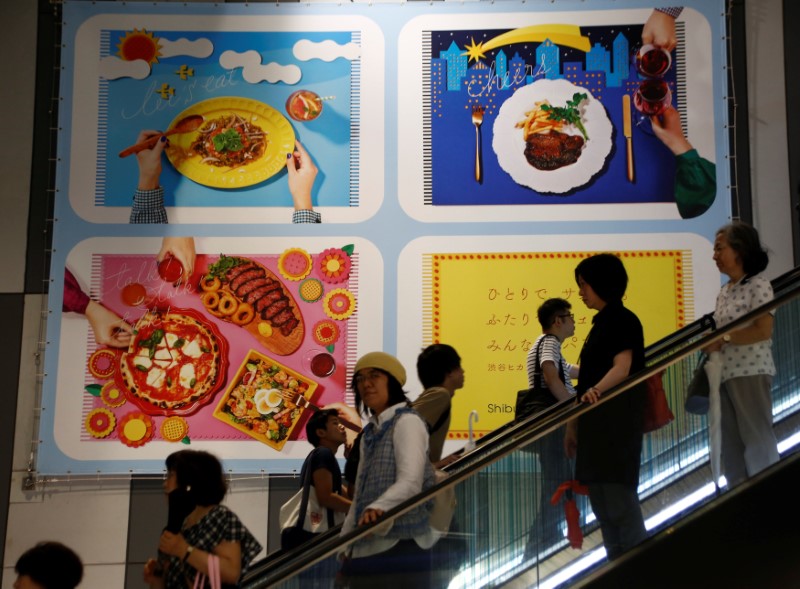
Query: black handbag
697	393
537	398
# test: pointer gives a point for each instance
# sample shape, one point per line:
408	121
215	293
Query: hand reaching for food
180	248
108	327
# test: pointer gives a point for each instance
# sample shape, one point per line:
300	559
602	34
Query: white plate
509	145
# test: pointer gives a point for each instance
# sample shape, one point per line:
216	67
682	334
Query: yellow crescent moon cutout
564	35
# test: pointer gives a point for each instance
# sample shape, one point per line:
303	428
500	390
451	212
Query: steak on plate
553	150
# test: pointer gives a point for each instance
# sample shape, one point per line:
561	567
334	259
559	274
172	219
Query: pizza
173	364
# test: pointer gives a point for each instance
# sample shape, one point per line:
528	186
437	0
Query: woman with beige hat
393	467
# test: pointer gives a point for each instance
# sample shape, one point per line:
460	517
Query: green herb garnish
569	114
151	342
220	267
228	140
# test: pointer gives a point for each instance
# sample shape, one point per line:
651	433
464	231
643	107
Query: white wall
768	138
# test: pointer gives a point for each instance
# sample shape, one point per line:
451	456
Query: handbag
536	398
657	413
444	505
301	517
697	393
214	577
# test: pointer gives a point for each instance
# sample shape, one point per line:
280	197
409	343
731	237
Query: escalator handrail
513	435
786	282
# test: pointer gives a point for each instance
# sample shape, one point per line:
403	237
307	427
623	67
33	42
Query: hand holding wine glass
669	130
653	97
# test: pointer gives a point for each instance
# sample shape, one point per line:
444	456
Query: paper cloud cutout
306	50
196	48
254	72
112	67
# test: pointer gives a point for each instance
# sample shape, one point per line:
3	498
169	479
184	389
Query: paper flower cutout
135	429
311	290
100	423
111	395
103	363
294	264
339	304
326	332
334	265
174	429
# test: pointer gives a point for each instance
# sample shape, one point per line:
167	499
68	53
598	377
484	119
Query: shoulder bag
535	398
214	577
301	517
657	413
697	392
444	505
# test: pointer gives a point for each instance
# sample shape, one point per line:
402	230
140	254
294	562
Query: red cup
304	105
652	61
133	294
652	97
323	365
170	269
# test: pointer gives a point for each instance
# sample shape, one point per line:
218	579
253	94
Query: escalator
506	533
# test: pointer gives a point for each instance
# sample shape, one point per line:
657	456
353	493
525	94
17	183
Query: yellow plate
280	141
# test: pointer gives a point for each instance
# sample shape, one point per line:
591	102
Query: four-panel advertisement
251	196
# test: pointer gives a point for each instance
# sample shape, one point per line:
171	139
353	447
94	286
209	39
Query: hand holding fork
300	400
477	120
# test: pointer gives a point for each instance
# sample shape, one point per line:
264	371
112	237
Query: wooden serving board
276	342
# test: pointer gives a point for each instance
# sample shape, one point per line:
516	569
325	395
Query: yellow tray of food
259	400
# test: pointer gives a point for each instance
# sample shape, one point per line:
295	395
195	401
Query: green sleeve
695	184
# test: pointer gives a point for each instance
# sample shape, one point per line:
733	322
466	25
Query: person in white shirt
393	467
549	382
748	439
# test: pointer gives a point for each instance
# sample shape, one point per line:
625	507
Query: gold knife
626	130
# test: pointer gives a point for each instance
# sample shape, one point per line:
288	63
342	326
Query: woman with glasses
392	468
607	441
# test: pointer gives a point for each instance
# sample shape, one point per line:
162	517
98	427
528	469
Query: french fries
538	121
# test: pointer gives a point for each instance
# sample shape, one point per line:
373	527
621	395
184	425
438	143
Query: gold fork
299	399
477	120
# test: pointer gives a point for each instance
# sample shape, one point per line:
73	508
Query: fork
477	120
300	400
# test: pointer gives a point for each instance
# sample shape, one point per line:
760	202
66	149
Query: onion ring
244	314
210	299
210	285
227	304
215	312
